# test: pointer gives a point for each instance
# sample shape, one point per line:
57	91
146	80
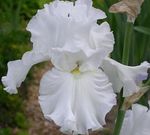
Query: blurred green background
15	40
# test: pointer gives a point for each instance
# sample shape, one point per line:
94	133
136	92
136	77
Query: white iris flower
137	121
80	90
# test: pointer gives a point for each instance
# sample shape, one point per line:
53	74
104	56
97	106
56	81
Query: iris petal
17	70
76	102
128	77
137	121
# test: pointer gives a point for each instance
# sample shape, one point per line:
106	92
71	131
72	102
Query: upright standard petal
53	26
76	102
102	37
137	121
17	70
124	76
88	50
67	60
63	29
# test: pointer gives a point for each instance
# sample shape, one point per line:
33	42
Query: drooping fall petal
137	121
17	70
128	77
76	102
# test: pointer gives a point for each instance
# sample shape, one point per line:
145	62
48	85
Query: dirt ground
38	125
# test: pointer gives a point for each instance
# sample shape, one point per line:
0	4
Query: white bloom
17	70
76	93
55	26
137	121
76	102
128	77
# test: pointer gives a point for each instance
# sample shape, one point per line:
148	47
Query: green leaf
21	120
5	131
142	29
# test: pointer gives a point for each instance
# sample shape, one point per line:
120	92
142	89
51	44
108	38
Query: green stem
74	2
127	43
148	82
119	122
125	60
120	115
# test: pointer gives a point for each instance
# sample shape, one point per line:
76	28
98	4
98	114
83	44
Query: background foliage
14	41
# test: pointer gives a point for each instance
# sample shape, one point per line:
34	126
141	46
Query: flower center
75	71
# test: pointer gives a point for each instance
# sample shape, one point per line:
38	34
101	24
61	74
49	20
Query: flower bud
131	7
